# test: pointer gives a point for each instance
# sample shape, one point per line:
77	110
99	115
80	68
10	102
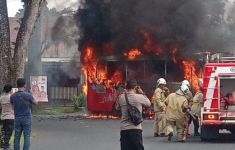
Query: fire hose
191	114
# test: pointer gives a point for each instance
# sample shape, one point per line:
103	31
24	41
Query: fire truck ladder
227	59
220	58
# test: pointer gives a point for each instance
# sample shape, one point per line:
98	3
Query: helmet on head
186	82
161	81
200	82
184	88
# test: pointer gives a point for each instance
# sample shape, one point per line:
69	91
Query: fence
62	95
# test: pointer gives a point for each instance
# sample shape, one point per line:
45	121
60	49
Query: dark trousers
131	140
195	123
8	127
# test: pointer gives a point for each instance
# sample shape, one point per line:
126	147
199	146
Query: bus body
146	70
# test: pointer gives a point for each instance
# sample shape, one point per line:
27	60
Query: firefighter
159	97
189	94
196	107
176	106
189	97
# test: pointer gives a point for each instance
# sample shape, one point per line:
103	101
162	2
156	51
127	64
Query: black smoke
188	25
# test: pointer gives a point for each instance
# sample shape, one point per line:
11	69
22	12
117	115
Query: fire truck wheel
233	133
209	133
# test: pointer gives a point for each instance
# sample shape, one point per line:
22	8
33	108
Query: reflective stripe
210	91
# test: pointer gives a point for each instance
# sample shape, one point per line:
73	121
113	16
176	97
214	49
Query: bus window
100	88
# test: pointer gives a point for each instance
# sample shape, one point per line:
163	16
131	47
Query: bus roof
140	58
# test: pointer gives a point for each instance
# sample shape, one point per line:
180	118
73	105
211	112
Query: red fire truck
218	111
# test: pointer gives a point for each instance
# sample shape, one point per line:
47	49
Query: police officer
131	135
196	107
176	106
159	98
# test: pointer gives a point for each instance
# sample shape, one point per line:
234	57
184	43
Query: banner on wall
38	86
14	90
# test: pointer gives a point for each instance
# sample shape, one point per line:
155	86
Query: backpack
135	115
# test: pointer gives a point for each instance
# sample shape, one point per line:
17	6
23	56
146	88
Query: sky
15	5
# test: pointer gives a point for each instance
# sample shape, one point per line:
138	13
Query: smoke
188	25
62	36
62	4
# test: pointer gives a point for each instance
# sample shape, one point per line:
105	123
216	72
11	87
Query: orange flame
84	86
89	67
95	73
150	45
173	53
117	76
101	116
133	54
190	73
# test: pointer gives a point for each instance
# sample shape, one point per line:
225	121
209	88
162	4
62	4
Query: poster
38	86
14	90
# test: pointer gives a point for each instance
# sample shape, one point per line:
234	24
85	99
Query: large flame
190	73
90	62
97	73
89	66
133	54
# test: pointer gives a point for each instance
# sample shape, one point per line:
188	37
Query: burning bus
106	76
118	41
112	73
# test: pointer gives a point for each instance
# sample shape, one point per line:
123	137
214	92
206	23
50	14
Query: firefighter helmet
186	82
161	81
184	88
200	82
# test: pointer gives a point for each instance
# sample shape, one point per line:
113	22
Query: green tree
12	62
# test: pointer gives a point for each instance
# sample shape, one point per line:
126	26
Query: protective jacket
197	103
189	97
176	103
159	100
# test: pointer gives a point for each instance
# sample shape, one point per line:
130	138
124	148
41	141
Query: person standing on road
131	135
189	94
176	106
159	97
196	107
7	115
189	97
22	102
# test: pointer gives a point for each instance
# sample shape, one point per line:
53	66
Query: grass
55	111
12	140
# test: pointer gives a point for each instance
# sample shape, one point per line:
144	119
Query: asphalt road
85	134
